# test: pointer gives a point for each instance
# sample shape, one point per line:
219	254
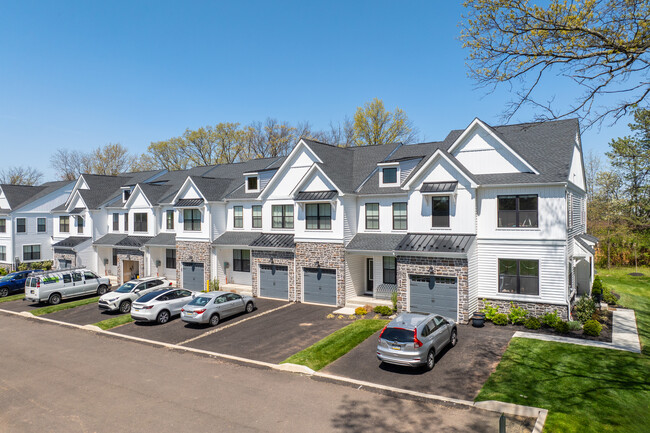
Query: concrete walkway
624	334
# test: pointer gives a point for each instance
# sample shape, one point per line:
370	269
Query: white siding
354	275
86	256
576	174
159	253
552	268
385	213
350	220
472	277
229	275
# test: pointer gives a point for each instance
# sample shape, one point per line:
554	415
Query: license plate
136	309
189	313
397	348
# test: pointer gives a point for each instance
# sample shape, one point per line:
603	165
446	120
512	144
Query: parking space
83	315
176	331
21	305
459	372
275	336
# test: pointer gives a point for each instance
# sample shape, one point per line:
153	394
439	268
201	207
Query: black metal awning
272	240
436	187
189	202
435	243
316	195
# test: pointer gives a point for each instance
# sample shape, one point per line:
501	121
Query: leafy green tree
373	125
602	45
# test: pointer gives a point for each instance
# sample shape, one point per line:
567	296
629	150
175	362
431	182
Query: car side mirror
193	295
136	291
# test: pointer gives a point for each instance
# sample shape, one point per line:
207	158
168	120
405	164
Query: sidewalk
624	334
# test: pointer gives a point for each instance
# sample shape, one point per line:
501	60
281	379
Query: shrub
383	310
360	311
3	272
609	297
592	328
517	315
574	325
393	298
561	327
585	308
490	311
550	319
500	319
330	316
532	323
597	288
352	317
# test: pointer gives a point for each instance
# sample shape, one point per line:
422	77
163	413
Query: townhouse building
494	214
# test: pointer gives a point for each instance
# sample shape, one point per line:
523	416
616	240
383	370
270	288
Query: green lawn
586	389
17	297
63	306
114	321
337	344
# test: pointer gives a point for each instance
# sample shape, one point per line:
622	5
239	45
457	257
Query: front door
369	275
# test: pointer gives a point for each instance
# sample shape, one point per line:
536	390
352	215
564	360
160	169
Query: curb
294	368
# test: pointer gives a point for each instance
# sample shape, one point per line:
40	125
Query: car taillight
148	307
170	284
200	311
382	332
38	284
416	342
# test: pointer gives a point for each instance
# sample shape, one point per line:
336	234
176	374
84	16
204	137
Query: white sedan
161	305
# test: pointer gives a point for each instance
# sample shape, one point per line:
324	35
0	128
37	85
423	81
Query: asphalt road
459	372
62	379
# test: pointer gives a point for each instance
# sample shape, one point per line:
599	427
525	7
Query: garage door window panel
319	216
241	260
519	276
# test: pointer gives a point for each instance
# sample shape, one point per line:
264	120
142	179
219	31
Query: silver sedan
212	307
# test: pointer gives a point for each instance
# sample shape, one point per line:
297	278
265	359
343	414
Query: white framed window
252	183
389	175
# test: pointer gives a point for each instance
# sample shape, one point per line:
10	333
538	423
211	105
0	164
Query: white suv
128	292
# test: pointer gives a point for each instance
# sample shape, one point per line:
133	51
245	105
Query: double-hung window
517	211
3	253
440	211
80	224
140	222
390	270
41	225
241	260
126	222
3	225
192	220
519	276
31	252
170	258
238	214
282	216
64	224
20	225
169	216
319	216
399	216
257	216
372	216
116	222
114	257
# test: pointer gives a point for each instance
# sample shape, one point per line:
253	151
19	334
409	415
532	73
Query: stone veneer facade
64	255
329	256
280	258
193	252
130	255
534	309
444	267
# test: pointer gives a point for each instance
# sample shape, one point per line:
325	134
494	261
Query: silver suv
414	339
52	286
128	292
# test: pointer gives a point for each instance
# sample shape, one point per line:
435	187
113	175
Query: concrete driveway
275	336
459	372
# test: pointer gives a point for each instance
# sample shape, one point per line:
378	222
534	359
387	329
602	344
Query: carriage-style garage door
431	294
193	277
274	281
320	286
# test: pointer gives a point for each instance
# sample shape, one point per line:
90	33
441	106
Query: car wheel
214	320
454	338
163	317
4	292
431	360
125	306
101	290
250	307
55	299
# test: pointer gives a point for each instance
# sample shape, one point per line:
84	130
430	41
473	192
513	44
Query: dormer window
125	195
252	184
389	175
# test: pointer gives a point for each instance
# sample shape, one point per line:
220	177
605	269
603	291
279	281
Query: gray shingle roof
133	241
110	239
585	245
162	240
374	242
236	238
590	238
17	195
71	241
435	243
439	186
316	195
272	240
77	210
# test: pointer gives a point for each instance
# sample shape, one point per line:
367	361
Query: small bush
500	319
3	272
517	315
585	308
609	297
352	317
340	316
592	328
550	319
393	298
383	310
490	311
360	311
532	323
597	288
574	325
330	316
561	327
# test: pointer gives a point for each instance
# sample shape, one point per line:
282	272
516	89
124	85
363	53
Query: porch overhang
439	244
166	240
235	239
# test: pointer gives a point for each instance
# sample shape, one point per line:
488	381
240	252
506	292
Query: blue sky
78	75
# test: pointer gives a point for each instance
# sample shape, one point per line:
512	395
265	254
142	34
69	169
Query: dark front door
193	277
369	275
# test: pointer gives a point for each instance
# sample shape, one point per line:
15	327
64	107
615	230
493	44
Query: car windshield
398	334
7	277
200	301
149	296
125	288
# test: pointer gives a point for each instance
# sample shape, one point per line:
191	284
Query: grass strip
337	344
64	306
114	321
17	297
